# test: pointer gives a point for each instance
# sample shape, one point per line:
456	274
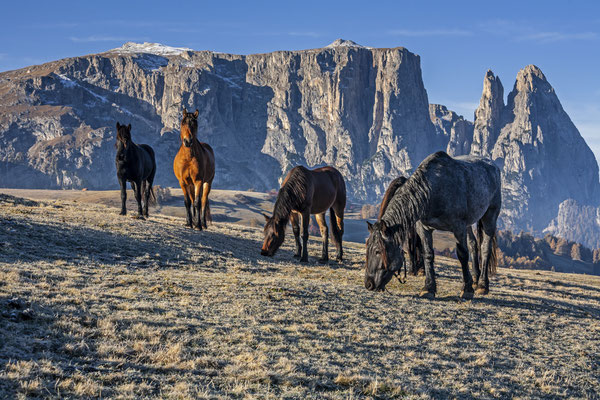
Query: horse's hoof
123	213
140	216
304	260
323	260
482	291
468	295
475	286
425	294
296	255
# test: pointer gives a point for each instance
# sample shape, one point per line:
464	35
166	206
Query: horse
444	193
136	164
194	167
412	246
305	192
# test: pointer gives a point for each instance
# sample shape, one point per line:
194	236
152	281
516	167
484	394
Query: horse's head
274	235
189	127
384	257
124	134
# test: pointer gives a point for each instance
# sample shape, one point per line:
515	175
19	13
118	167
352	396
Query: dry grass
121	308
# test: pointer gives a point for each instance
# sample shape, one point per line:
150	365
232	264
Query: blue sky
457	41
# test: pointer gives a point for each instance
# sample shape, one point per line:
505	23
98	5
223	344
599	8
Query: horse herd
444	193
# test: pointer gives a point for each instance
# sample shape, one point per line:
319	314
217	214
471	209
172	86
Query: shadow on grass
26	241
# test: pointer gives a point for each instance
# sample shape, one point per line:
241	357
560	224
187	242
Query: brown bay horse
305	192
194	167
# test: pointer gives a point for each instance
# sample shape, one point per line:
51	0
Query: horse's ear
118	125
266	217
129	127
184	112
196	113
384	228
370	227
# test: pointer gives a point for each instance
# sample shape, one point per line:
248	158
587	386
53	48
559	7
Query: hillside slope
94	304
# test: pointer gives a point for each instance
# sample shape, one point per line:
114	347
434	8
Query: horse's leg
294	219
187	199
426	236
138	197
488	225
198	205
305	221
205	205
324	236
145	195
463	256
123	184
474	250
336	217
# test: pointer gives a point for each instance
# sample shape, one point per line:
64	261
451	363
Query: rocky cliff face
362	110
454	133
544	160
488	116
577	222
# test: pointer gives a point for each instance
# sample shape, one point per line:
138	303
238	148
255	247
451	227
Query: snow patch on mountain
150	48
345	43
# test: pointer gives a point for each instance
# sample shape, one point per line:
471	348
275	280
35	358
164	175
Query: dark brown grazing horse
305	192
194	167
413	248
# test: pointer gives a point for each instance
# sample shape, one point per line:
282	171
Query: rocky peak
543	156
488	116
344	43
454	133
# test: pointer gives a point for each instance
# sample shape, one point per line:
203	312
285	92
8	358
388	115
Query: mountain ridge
363	110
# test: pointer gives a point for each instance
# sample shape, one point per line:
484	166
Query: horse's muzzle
187	143
369	284
265	253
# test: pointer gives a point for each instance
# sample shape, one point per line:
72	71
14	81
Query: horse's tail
208	216
152	201
335	228
493	256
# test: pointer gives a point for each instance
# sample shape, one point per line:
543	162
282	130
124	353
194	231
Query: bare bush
162	194
369	211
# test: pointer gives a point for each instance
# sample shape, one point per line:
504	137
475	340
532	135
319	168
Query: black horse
444	193
136	164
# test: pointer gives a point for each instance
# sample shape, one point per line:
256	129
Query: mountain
544	159
363	110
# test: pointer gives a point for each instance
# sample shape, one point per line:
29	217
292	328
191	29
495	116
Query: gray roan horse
412	246
444	193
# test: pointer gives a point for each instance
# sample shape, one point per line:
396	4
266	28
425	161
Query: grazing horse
194	167
136	164
412	246
444	193
305	192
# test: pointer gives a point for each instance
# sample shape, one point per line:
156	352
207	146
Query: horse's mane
408	204
389	193
292	194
